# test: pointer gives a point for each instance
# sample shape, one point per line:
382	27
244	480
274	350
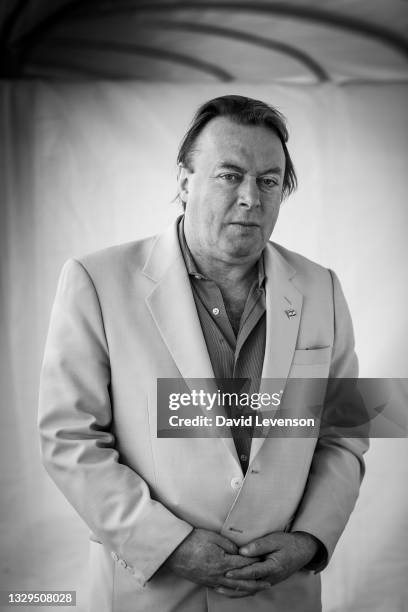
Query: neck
225	273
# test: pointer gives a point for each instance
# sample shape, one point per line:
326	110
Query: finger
262	546
251	586
237	561
285	563
256	571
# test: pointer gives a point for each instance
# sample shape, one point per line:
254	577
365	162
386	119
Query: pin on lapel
290	313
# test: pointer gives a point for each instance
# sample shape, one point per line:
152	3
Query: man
196	524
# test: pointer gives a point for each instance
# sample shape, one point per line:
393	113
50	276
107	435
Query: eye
230	177
268	182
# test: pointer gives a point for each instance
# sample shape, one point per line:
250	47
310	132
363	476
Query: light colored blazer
122	318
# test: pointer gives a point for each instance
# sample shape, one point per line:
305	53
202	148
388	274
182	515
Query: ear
183	176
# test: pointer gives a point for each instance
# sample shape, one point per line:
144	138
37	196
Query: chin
244	252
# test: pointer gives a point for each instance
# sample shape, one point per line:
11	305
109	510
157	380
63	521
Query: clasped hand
212	560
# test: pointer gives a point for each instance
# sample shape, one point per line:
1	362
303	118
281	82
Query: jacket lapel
283	313
173	309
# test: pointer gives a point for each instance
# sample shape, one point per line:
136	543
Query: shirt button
123	563
243	457
115	557
236	483
197	276
216	311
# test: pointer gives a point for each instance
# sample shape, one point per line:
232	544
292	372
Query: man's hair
244	111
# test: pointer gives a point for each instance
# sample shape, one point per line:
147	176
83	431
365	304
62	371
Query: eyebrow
231	166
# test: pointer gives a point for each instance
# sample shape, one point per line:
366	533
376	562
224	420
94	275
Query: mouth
245	224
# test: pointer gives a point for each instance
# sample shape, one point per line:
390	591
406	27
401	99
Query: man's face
233	190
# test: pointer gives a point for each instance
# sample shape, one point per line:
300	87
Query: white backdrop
84	166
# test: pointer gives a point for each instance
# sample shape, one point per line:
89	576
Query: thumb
261	546
227	545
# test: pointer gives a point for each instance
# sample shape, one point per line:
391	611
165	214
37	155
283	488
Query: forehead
222	138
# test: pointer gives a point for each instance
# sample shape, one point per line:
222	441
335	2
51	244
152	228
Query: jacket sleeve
78	448
338	467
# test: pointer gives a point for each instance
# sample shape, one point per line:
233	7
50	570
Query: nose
248	195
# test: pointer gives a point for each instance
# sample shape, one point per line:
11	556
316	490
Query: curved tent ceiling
206	41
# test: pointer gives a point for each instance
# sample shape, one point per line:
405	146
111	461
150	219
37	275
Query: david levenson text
248	421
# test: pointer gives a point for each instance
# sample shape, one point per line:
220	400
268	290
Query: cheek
271	214
204	216
271	207
215	204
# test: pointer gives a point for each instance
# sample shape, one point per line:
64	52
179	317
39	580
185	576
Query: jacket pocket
313	356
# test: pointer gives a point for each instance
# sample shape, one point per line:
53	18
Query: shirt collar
192	266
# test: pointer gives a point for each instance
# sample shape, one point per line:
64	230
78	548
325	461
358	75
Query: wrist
320	557
309	543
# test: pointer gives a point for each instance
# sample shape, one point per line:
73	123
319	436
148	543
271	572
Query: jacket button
236	483
123	563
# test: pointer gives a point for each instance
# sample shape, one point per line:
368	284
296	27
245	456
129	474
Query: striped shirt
238	357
